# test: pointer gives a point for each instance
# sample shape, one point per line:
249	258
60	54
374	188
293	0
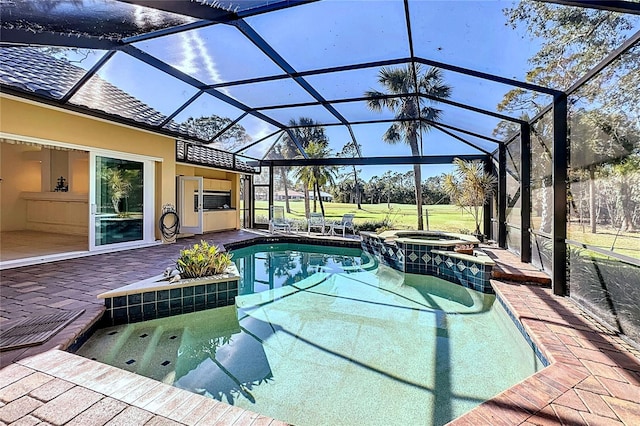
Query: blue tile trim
419	259
163	303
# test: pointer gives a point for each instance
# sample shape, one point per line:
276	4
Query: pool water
332	338
266	267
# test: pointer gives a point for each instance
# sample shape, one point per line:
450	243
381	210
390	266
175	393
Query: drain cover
35	330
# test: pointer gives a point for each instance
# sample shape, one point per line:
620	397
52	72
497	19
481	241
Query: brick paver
19	408
593	378
68	405
99	413
24	386
131	416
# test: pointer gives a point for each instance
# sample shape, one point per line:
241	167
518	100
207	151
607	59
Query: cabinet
61	212
219	220
216	185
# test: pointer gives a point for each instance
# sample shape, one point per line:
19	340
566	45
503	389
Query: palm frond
375	100
430	113
393	135
402	80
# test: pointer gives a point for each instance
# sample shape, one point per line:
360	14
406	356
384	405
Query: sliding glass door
122	201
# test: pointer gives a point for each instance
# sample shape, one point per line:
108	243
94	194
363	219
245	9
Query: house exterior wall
188	170
28	119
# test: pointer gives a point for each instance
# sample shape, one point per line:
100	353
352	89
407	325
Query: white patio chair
344	224
316	220
278	221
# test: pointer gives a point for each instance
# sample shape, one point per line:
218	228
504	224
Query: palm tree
408	110
315	177
120	186
305	131
284	150
470	187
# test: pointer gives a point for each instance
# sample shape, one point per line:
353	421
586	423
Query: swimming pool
325	336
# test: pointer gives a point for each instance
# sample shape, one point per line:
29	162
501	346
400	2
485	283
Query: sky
471	34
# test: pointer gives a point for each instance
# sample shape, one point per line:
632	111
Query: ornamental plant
470	187
202	260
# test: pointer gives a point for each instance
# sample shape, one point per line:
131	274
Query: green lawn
627	243
441	217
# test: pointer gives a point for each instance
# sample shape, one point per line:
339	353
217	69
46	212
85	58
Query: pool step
508	267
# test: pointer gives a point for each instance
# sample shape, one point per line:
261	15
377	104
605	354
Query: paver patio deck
594	376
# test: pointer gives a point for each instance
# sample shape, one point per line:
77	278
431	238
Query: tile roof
201	154
32	70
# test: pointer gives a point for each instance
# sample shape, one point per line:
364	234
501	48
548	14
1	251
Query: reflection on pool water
328	337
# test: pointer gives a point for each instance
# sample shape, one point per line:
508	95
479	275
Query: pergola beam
461	139
272	54
87	76
262	139
467	132
17	36
525	193
402	95
313	72
502	196
374	161
167	31
487	76
227	127
181	108
295	140
188	8
559	177
186	78
393	120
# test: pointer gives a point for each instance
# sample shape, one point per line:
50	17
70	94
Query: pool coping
477	257
161	282
293	239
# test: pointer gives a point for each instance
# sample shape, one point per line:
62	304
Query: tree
350	150
470	187
346	190
305	131
432	192
372	190
611	152
573	40
408	110
206	128
283	150
315	177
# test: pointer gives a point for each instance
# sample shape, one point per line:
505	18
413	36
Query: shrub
371	226
378	226
202	260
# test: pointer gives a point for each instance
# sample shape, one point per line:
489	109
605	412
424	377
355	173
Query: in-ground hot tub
432	253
